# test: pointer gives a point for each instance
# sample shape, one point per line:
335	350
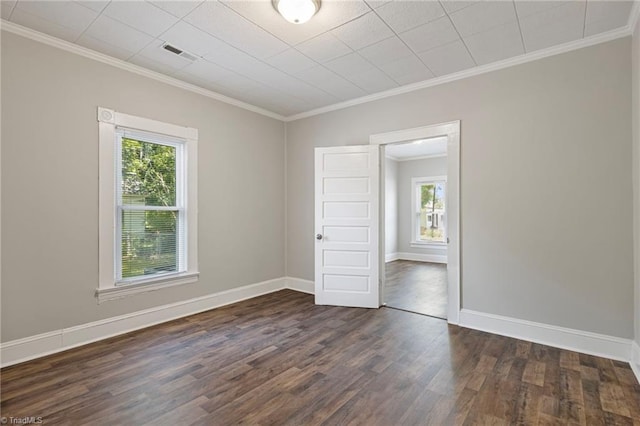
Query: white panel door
346	224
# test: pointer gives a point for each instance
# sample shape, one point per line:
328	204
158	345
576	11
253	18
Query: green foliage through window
149	237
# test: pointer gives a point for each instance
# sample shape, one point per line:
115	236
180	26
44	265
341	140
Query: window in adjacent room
429	210
148	221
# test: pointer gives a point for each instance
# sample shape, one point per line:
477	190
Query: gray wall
391	206
50	182
554	132
636	171
406	171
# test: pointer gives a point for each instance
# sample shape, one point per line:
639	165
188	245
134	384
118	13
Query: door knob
318	236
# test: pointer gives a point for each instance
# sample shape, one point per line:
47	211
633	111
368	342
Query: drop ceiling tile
606	15
299	89
43	25
414	77
407	70
532	7
349	65
373	81
191	39
104	47
141	15
70	15
404	15
96	5
316	97
331	83
205	71
331	15
6	7
363	31
428	36
377	3
237	83
229	57
115	33
324	48
225	24
495	44
149	63
553	26
447	59
272	99
483	16
256	70
279	80
291	61
179	9
386	51
453	5
157	54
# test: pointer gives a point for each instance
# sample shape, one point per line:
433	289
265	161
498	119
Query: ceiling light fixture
296	11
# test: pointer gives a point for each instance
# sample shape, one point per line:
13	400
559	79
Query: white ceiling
417	149
350	49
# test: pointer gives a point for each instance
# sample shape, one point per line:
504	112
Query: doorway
442	225
415	214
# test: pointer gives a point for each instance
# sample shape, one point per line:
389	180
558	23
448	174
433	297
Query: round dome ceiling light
296	11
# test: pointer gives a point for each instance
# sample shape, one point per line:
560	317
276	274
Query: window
148	211
428	203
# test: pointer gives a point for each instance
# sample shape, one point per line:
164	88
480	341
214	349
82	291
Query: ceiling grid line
405	43
515	10
464	43
584	22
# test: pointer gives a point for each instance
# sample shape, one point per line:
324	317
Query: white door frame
451	130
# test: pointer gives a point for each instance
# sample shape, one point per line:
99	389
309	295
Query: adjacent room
306	212
415	232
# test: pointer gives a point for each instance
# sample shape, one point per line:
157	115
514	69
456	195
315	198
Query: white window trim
108	120
415	237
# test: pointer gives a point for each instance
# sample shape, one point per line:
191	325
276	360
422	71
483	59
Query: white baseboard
32	347
560	337
298	284
418	257
635	359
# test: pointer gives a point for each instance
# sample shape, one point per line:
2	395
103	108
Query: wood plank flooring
280	360
417	287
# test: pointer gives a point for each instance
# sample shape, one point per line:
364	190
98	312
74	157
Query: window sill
421	244
123	290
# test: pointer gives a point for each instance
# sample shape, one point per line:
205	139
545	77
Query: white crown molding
633	16
560	337
528	57
118	63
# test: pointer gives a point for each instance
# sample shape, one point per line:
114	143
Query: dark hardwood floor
419	287
278	359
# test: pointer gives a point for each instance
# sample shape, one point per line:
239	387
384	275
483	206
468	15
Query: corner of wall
286	203
635	58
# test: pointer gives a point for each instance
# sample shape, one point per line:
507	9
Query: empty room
320	212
